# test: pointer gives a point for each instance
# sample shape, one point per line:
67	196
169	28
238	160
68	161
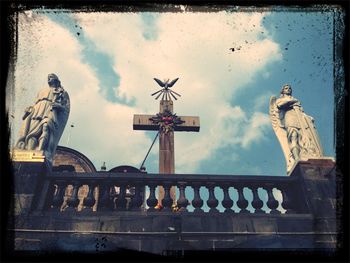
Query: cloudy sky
228	62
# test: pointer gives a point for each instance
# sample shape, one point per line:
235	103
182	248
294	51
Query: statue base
326	163
29	170
317	181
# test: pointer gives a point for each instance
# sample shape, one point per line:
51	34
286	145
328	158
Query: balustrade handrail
193	178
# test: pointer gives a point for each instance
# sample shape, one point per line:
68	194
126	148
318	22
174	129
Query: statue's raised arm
294	129
44	121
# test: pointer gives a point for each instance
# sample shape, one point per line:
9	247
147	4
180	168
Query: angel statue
294	129
44	121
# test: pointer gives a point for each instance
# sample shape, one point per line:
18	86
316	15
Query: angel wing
280	132
172	82
160	83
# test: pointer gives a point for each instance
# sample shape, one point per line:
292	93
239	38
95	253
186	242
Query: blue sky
306	41
107	61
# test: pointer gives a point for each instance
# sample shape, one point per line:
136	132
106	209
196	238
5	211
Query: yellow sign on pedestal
28	156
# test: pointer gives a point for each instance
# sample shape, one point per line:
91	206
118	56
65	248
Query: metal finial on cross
166	122
166	91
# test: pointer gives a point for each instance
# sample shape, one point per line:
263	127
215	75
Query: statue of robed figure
44	122
294	129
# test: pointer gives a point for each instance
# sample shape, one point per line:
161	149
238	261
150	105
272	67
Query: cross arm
143	122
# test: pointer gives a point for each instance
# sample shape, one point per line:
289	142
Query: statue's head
286	89
53	80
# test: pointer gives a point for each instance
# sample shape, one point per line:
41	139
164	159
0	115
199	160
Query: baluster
105	201
272	203
89	200
182	202
227	201
197	202
212	202
257	203
242	203
136	200
129	193
152	200
73	201
121	199
286	203
167	201
58	198
114	195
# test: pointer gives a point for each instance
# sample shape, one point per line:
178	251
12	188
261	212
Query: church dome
69	160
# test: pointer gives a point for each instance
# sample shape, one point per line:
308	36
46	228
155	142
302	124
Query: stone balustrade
120	192
69	211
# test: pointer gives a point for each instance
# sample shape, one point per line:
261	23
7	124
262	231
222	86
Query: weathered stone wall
157	233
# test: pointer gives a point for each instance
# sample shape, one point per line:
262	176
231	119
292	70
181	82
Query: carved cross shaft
166	122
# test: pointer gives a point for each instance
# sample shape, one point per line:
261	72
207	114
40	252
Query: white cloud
266	75
256	128
192	46
261	103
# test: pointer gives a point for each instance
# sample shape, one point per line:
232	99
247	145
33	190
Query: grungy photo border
9	41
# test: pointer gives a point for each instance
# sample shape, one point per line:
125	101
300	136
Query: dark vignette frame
8	47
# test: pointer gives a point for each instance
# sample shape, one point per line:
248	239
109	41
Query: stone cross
166	122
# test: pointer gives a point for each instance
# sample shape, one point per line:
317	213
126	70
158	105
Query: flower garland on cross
167	121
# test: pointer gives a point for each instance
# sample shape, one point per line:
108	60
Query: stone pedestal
29	168
319	186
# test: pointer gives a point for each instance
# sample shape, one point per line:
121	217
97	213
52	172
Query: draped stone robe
44	121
